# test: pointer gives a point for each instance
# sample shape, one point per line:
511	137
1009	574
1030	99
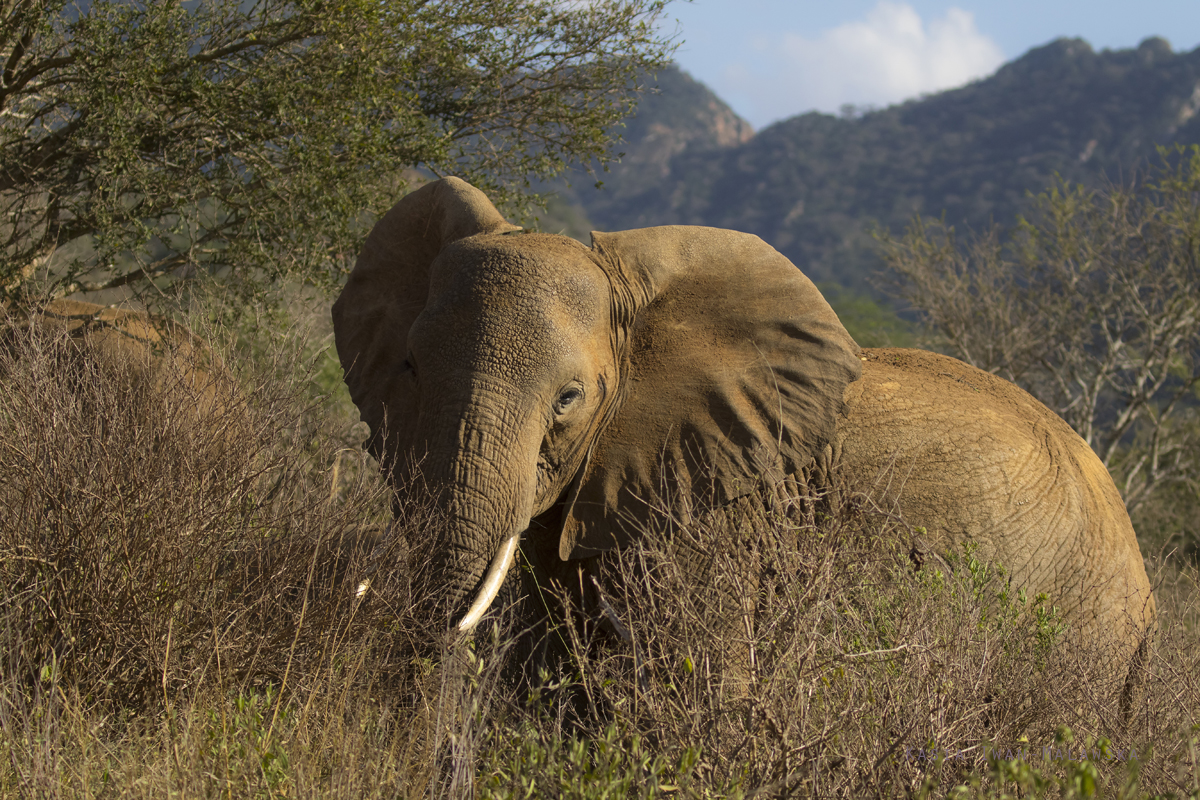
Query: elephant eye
566	397
409	367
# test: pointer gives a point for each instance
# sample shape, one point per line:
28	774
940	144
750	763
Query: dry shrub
868	667
152	539
178	617
177	580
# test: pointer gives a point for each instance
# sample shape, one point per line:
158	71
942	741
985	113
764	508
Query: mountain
678	116
815	184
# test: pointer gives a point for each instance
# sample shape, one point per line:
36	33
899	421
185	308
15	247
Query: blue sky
771	59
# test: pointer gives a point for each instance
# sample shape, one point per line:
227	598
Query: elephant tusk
373	562
491	583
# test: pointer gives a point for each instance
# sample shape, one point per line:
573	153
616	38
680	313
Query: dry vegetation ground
177	619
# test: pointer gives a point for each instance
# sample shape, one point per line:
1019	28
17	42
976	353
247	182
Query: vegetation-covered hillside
814	184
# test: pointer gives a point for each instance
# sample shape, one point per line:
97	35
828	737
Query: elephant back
175	363
971	457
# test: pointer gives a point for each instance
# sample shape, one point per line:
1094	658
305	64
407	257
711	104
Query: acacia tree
150	138
1092	304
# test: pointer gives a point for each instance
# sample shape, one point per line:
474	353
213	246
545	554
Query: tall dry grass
177	617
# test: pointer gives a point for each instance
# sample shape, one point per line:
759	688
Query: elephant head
517	374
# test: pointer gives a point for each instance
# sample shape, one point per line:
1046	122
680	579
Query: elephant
535	383
178	363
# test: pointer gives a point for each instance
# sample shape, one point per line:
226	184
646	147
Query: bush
1090	304
147	532
178	617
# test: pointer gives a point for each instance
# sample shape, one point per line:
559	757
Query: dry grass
177	618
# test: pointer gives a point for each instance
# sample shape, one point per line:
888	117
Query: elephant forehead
512	309
514	273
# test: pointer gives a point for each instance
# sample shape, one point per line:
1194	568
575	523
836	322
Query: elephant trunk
477	466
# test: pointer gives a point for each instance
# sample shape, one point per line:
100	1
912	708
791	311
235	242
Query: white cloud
889	56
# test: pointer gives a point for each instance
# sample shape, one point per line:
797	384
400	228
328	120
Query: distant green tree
1092	304
871	324
141	141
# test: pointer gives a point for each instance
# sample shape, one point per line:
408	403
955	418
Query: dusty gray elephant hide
536	380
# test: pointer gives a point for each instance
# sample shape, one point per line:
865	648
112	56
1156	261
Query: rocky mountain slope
815	185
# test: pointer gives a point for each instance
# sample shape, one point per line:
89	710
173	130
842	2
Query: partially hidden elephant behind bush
173	360
542	384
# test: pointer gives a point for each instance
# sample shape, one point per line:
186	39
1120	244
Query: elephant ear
733	368
388	288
